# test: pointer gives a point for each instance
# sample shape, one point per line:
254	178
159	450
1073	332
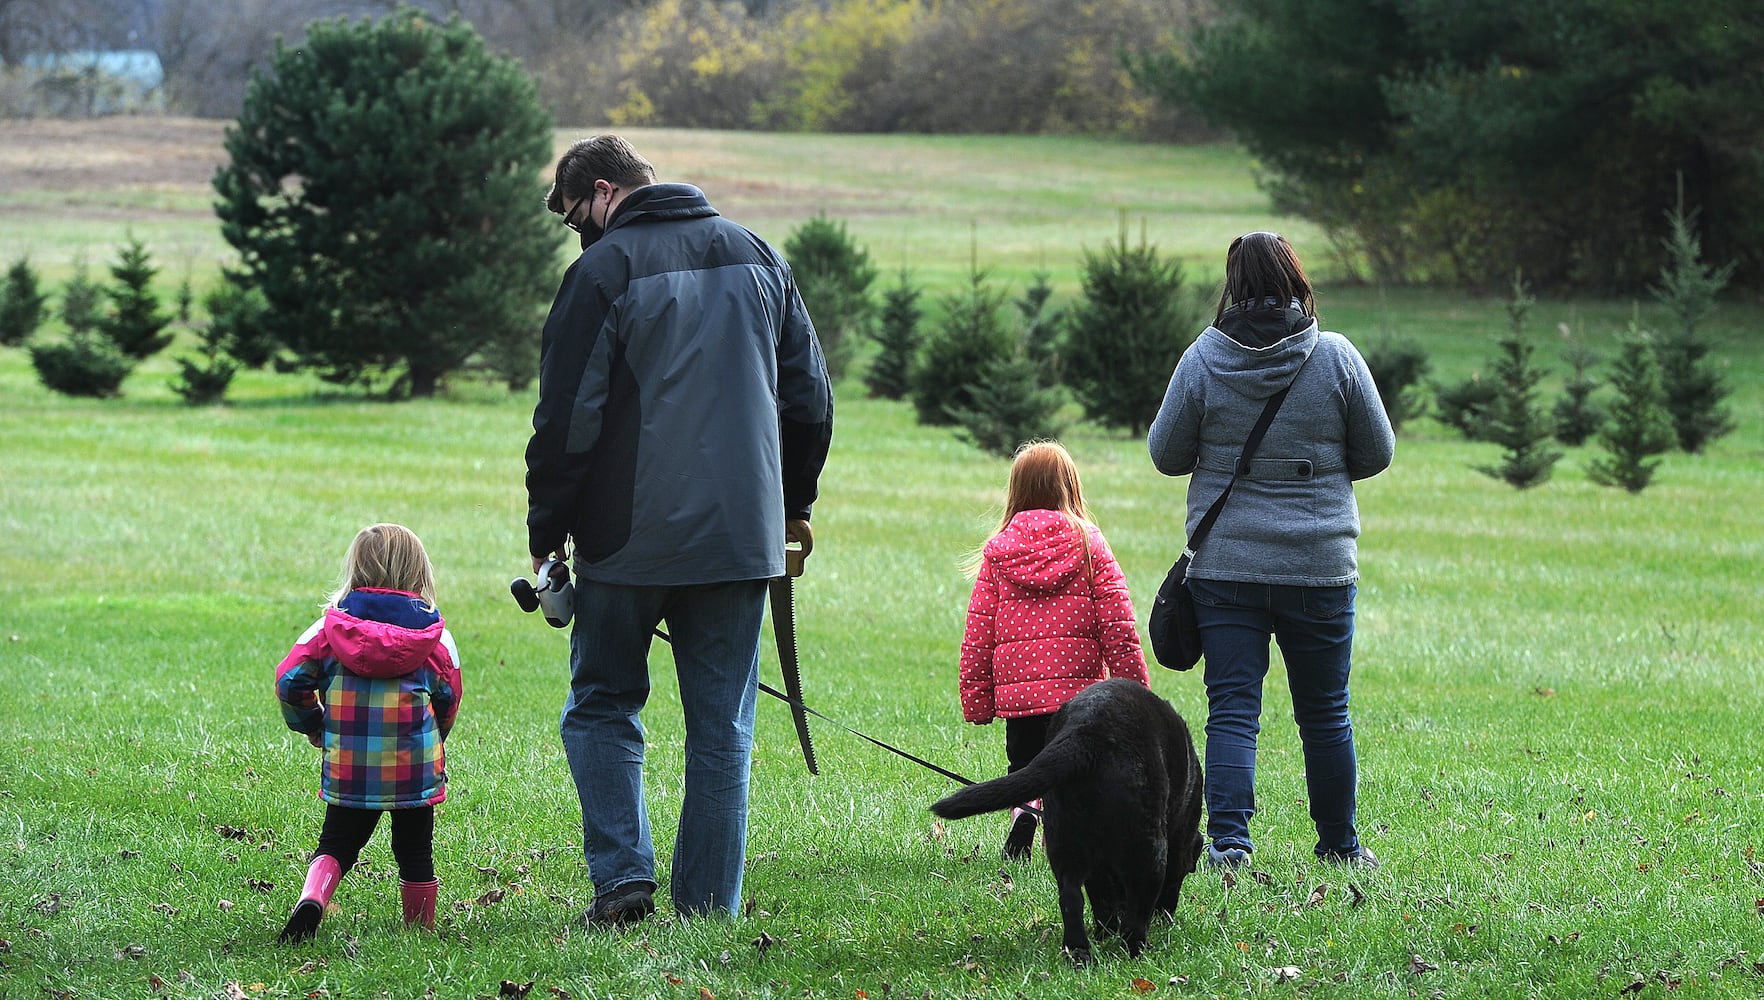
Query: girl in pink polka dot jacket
1049	616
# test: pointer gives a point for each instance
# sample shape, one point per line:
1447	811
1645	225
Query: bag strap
1250	445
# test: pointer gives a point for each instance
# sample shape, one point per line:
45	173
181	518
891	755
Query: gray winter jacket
1292	518
684	407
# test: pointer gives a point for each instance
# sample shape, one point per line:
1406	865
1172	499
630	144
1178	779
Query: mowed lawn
1556	691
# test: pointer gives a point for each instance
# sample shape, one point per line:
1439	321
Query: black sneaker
627	904
1021	840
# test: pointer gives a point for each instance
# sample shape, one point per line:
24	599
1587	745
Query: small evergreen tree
23	304
134	322
1398	368
85	364
833	275
1008	404
972	333
1694	389
1515	422
1041	328
204	378
81	298
1464	405
1577	415
236	318
1127	332
897	338
1639	426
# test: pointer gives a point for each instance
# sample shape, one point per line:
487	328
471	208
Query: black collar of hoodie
1261	325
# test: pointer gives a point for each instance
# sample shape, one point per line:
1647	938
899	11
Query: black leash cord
781	696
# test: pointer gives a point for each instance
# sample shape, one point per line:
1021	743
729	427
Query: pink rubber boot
1022	836
322	877
419	902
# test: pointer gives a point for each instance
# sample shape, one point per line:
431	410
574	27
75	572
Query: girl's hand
317	740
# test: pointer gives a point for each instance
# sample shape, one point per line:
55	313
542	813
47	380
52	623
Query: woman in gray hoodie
1281	559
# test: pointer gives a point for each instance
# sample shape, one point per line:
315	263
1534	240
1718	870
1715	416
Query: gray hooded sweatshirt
1291	518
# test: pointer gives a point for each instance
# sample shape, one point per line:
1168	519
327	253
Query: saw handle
799	541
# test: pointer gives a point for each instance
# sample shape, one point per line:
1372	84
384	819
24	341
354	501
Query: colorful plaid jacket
376	680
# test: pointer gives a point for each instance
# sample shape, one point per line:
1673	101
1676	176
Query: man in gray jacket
684	417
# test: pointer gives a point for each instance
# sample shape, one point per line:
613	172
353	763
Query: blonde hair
1044	477
389	557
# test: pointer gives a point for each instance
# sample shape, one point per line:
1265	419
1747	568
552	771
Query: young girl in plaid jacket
375	684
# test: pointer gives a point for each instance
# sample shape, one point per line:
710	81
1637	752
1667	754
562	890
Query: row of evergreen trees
112	326
1668	391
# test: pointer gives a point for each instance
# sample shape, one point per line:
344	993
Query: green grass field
1556	691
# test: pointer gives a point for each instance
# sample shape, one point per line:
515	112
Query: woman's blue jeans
1315	629
715	630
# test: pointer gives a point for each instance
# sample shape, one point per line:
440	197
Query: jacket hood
1038	550
1257	350
661	202
382	633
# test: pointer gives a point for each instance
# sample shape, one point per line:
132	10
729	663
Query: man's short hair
598	157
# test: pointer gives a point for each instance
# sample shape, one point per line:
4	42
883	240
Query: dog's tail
1063	758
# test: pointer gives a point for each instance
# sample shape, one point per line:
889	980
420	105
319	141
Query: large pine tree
385	193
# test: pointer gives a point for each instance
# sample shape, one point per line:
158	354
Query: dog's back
1121	787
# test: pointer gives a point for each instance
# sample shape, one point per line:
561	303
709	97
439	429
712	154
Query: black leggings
1025	735
347	831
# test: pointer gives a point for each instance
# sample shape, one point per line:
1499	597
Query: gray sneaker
1228	857
1360	857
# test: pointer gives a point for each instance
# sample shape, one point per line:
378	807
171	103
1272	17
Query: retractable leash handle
554	593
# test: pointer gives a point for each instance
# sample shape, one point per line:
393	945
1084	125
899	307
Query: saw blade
783	593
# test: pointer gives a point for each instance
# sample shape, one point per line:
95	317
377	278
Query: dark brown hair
596	158
1262	265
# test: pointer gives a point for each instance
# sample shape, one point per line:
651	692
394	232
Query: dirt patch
110	154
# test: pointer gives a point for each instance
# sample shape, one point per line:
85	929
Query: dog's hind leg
1075	942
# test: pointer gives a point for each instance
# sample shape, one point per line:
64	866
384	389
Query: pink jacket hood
382	633
1038	550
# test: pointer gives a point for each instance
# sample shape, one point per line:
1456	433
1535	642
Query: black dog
1121	791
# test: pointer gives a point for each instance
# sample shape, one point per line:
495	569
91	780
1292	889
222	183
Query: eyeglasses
570	216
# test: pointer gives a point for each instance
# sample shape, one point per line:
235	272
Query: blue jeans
715	629
1315	629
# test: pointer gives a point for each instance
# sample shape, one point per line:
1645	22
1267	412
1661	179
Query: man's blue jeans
715	631
1315	629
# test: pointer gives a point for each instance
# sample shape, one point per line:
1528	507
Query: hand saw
798	542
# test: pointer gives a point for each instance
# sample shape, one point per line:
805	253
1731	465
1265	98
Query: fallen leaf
230	832
1317	894
1262	878
1287	973
764	941
1418	965
1758	906
560	993
1178	980
234	991
704	993
1544	692
157	983
861	995
49	905
259	885
225	905
492	897
134	951
672	979
1142	986
1227	879
1354	891
488	872
1636	985
510	988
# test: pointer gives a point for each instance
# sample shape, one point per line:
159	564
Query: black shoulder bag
1175	637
